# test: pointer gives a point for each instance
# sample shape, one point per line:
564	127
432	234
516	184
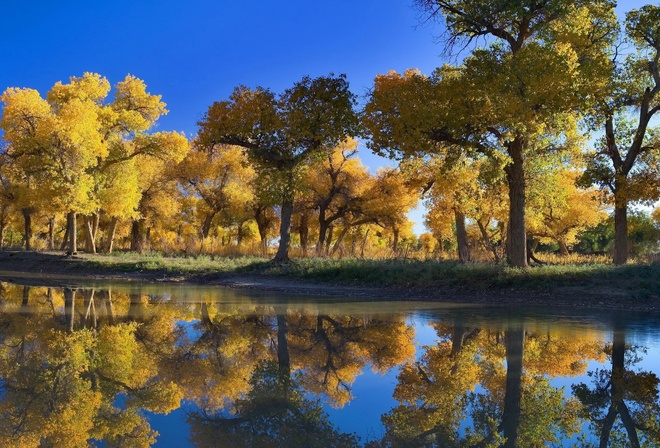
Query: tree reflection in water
85	365
624	397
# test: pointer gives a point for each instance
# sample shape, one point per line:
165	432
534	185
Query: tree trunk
4	220
112	230
395	240
282	255
65	238
328	239
3	227
27	218
364	243
262	226
620	230
73	233
340	239
206	225
137	235
563	249
517	235
90	243
239	233
51	233
323	229
486	239
303	232
461	237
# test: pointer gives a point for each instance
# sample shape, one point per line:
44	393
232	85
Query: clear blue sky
194	52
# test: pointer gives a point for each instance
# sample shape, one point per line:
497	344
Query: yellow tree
221	180
386	202
334	185
157	183
70	142
58	139
127	121
559	210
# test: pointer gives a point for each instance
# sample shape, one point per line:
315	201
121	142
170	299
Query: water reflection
84	365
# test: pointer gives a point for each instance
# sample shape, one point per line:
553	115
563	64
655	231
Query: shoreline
56	269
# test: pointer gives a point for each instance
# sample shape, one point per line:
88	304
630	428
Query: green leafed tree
282	133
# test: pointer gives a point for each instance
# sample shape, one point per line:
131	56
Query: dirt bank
55	269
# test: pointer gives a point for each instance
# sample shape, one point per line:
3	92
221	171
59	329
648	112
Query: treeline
530	140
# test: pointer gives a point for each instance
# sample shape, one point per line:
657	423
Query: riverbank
630	287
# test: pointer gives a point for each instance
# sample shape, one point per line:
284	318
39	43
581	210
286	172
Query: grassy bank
635	280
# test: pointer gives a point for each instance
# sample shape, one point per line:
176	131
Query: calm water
167	366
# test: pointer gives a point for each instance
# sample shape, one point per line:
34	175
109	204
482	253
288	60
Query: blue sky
194	52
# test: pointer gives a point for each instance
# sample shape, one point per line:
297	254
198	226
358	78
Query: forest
538	141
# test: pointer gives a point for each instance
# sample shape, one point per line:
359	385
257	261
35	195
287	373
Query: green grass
636	279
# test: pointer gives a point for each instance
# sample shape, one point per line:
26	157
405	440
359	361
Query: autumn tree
282	133
71	142
559	210
625	161
518	93
220	180
334	185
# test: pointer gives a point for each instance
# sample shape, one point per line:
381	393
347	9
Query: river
129	364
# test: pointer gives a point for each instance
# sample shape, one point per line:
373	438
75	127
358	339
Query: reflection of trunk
25	310
617	392
461	237
90	308
27	219
515	175
283	361
457	339
109	308
285	230
69	308
112	230
136	307
513	340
